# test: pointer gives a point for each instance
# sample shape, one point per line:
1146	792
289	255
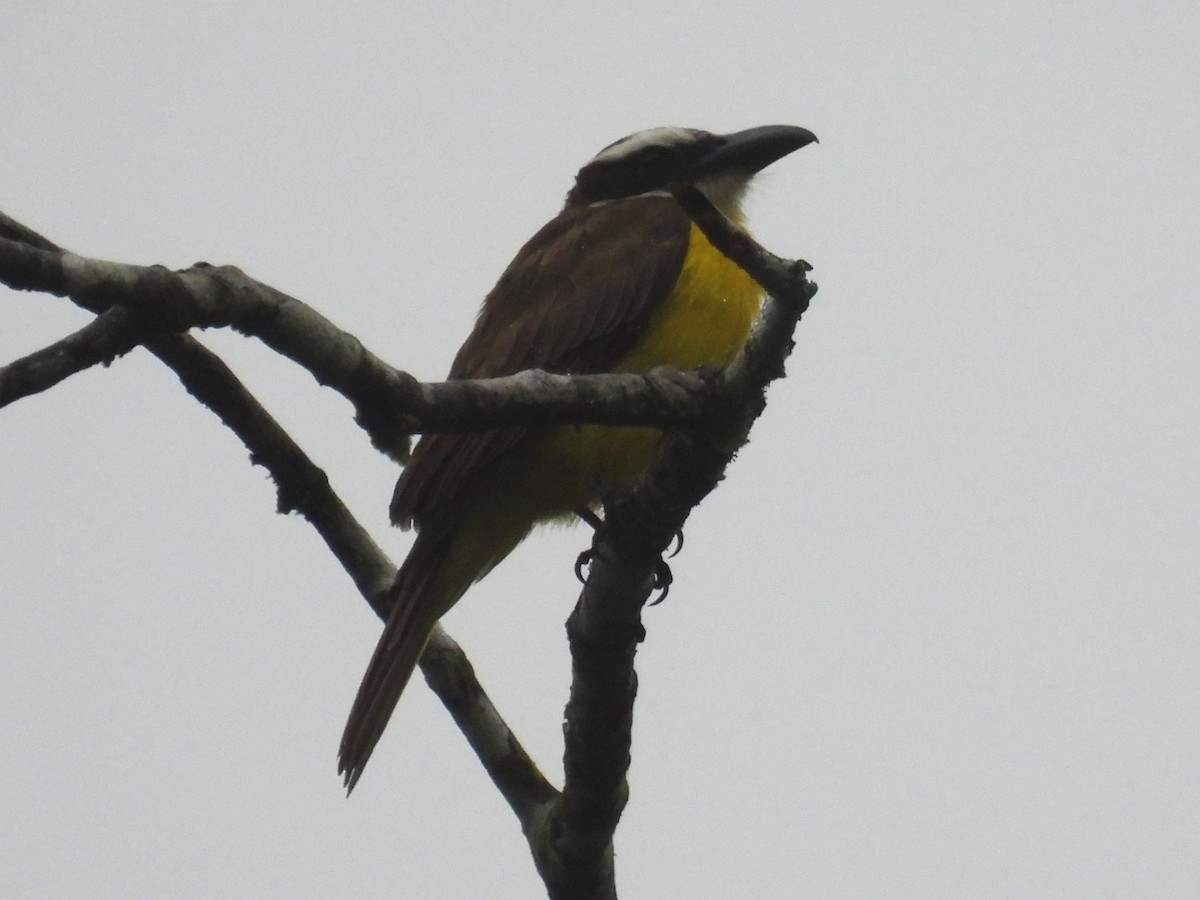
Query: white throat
726	192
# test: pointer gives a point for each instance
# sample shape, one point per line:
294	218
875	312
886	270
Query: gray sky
938	634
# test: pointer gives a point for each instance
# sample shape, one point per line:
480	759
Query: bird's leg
662	571
589	516
585	557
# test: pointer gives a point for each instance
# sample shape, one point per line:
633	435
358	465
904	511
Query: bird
620	280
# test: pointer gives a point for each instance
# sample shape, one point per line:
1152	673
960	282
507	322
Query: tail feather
450	553
414	613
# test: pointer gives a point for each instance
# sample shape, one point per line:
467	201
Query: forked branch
706	416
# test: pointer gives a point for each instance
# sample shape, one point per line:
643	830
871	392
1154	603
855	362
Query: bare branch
303	487
786	284
707	417
452	677
390	404
11	229
573	847
111	334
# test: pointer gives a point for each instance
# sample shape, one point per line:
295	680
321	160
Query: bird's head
720	165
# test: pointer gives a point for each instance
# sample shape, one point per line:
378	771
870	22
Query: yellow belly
704	322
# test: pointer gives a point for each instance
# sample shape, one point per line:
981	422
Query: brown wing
573	300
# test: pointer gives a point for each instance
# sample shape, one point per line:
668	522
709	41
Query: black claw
583	559
662	581
678	545
662	572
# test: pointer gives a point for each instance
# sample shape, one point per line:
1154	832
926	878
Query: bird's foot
663	579
662	572
678	545
582	560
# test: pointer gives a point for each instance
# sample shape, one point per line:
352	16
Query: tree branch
573	848
303	487
390	404
707	418
111	334
452	677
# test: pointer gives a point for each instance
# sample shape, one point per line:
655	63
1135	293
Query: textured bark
707	416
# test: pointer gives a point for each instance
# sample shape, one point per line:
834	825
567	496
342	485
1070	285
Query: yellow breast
705	321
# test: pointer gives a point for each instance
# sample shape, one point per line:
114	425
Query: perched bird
619	281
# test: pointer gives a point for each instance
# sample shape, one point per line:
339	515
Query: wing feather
574	300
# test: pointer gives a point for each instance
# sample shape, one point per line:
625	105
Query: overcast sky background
938	634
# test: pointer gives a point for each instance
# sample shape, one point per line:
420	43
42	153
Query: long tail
451	553
417	607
